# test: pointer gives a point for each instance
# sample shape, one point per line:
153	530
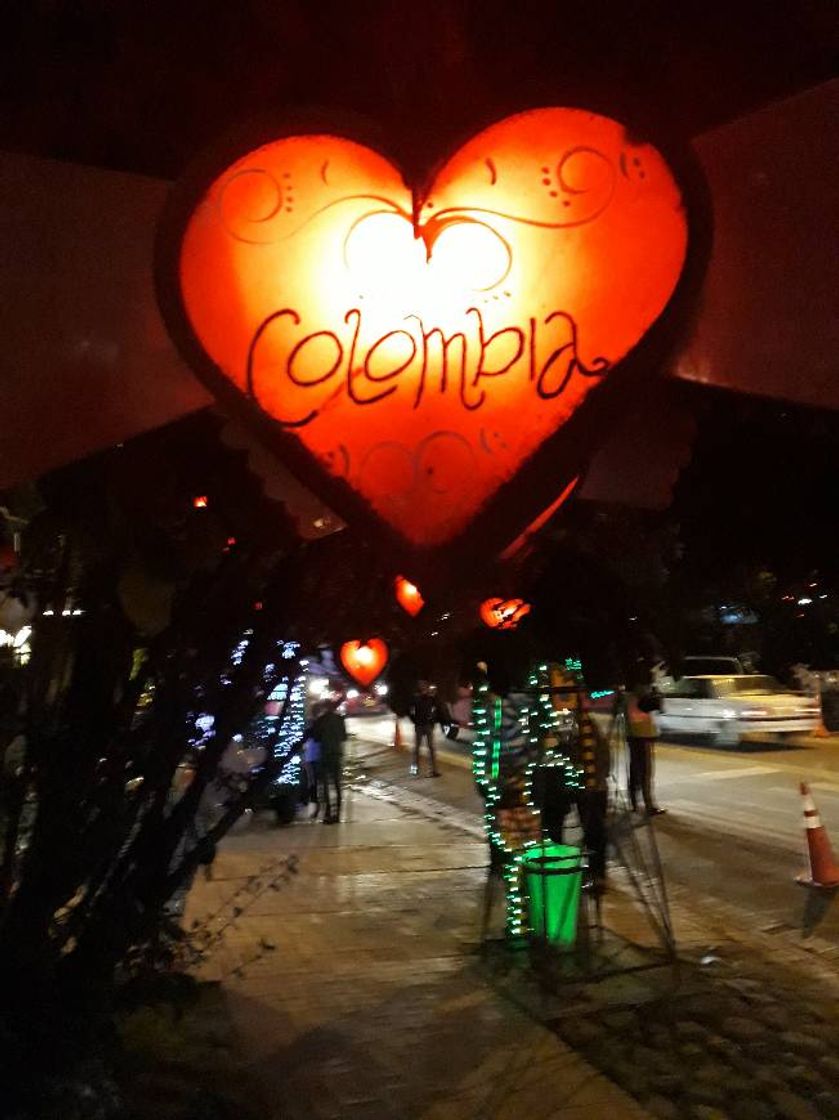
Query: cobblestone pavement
745	873
375	1003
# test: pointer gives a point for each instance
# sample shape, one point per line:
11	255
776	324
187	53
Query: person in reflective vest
642	733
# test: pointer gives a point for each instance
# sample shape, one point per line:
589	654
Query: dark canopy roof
141	85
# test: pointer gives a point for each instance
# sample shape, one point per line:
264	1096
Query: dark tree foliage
142	597
750	532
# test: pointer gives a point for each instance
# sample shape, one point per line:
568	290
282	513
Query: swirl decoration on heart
415	349
364	661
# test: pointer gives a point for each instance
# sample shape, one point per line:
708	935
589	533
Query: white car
701	666
731	706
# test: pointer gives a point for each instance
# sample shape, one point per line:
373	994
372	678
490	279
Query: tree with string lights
162	578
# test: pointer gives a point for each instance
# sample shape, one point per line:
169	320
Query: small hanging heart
364	661
408	596
503	614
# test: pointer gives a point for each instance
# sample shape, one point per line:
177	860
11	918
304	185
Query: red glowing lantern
408	596
364	661
503	614
410	352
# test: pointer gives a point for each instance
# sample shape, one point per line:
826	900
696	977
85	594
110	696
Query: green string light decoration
481	745
534	737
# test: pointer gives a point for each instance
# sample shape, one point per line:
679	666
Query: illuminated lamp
364	661
200	502
408	596
435	361
503	614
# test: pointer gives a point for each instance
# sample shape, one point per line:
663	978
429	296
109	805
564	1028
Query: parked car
701	666
727	707
358	703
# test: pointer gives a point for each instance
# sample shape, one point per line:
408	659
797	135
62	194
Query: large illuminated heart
420	347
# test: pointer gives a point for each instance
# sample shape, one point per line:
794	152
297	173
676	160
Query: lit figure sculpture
514	735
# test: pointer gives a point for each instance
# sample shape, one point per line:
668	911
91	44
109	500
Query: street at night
419	586
733	833
385	943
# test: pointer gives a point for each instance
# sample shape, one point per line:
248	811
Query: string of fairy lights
280	735
536	729
289	740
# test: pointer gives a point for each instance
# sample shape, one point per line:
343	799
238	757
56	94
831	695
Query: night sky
146	86
143	86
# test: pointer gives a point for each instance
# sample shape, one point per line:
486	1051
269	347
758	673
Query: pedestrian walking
641	739
330	731
425	713
462	707
312	770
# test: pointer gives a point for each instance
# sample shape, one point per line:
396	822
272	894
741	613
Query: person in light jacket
642	733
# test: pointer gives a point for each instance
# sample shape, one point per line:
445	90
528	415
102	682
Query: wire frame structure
631	842
632	836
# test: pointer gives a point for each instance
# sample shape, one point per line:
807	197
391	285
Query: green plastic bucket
553	876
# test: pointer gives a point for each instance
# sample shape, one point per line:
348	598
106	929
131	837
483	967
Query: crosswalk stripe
734	772
826	787
665	778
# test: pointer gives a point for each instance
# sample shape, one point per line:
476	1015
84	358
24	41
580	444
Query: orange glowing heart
416	349
364	661
503	614
408	596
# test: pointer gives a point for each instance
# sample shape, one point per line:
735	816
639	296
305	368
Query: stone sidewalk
368	1000
747	1030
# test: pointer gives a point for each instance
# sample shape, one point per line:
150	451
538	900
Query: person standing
425	714
588	750
330	731
312	769
462	707
641	737
593	801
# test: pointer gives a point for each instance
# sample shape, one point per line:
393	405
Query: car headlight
728	713
754	713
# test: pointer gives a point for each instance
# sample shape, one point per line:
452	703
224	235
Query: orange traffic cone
397	735
823	869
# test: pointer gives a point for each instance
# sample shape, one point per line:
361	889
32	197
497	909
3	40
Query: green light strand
496	740
541	721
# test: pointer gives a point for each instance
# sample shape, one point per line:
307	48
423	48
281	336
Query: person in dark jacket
425	713
330	731
589	752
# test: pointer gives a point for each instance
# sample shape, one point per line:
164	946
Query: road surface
733	833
